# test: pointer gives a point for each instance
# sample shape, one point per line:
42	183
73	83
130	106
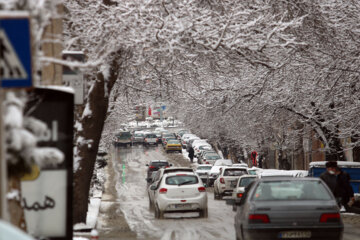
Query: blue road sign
163	107
15	52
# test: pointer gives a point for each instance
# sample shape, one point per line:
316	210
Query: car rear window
150	136
160	164
182	179
291	190
124	135
244	182
173	142
234	172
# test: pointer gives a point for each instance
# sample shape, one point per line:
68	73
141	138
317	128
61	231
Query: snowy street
133	202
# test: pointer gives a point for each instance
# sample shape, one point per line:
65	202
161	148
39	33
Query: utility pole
3	166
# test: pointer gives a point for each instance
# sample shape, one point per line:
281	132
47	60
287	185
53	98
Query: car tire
204	213
167	151
180	151
158	213
234	207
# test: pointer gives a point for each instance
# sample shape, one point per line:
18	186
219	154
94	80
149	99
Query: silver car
288	208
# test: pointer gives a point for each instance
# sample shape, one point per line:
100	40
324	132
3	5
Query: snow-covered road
129	165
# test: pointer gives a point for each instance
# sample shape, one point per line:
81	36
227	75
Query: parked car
210	158
150	139
288	208
199	148
239	189
226	181
150	179
122	138
181	132
138	137
203	170
184	139
178	192
155	165
173	145
205	151
189	142
223	162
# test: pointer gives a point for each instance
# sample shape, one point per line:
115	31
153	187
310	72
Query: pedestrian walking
191	154
344	192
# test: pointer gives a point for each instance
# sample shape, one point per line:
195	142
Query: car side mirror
148	179
153	187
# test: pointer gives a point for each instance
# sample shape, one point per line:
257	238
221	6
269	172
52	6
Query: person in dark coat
191	154
329	177
344	192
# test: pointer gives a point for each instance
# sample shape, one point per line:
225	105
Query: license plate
181	205
295	234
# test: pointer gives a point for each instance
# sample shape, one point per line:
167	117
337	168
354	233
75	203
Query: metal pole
3	166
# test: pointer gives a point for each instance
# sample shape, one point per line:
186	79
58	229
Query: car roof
248	176
159	161
179	172
231	167
339	163
177	169
272	179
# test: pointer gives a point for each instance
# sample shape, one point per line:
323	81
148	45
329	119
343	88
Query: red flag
149	113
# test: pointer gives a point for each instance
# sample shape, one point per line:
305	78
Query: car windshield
234	172
139	135
204	147
150	136
173	142
291	190
252	172
160	164
244	182
182	179
204	167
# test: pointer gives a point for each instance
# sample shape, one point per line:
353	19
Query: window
160	164
204	168
234	172
244	182
182	180
291	190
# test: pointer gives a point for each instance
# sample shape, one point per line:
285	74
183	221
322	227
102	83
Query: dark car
123	138
155	165
288	208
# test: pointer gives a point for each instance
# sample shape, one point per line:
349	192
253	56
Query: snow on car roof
179	172
340	164
158	160
283	173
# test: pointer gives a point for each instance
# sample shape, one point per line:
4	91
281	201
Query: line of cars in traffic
269	203
161	136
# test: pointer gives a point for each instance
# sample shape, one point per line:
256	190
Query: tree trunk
16	212
98	101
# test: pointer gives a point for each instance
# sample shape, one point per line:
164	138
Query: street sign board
15	50
74	78
47	195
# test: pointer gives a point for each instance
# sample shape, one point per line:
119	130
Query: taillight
151	166
207	163
239	195
222	180
330	217
163	190
259	218
202	189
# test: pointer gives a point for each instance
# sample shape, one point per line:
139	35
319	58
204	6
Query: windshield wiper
186	182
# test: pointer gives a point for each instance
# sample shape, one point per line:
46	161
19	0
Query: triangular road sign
11	67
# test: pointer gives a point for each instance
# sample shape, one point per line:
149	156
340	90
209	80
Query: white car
226	181
185	137
239	190
203	170
223	162
178	192
213	174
